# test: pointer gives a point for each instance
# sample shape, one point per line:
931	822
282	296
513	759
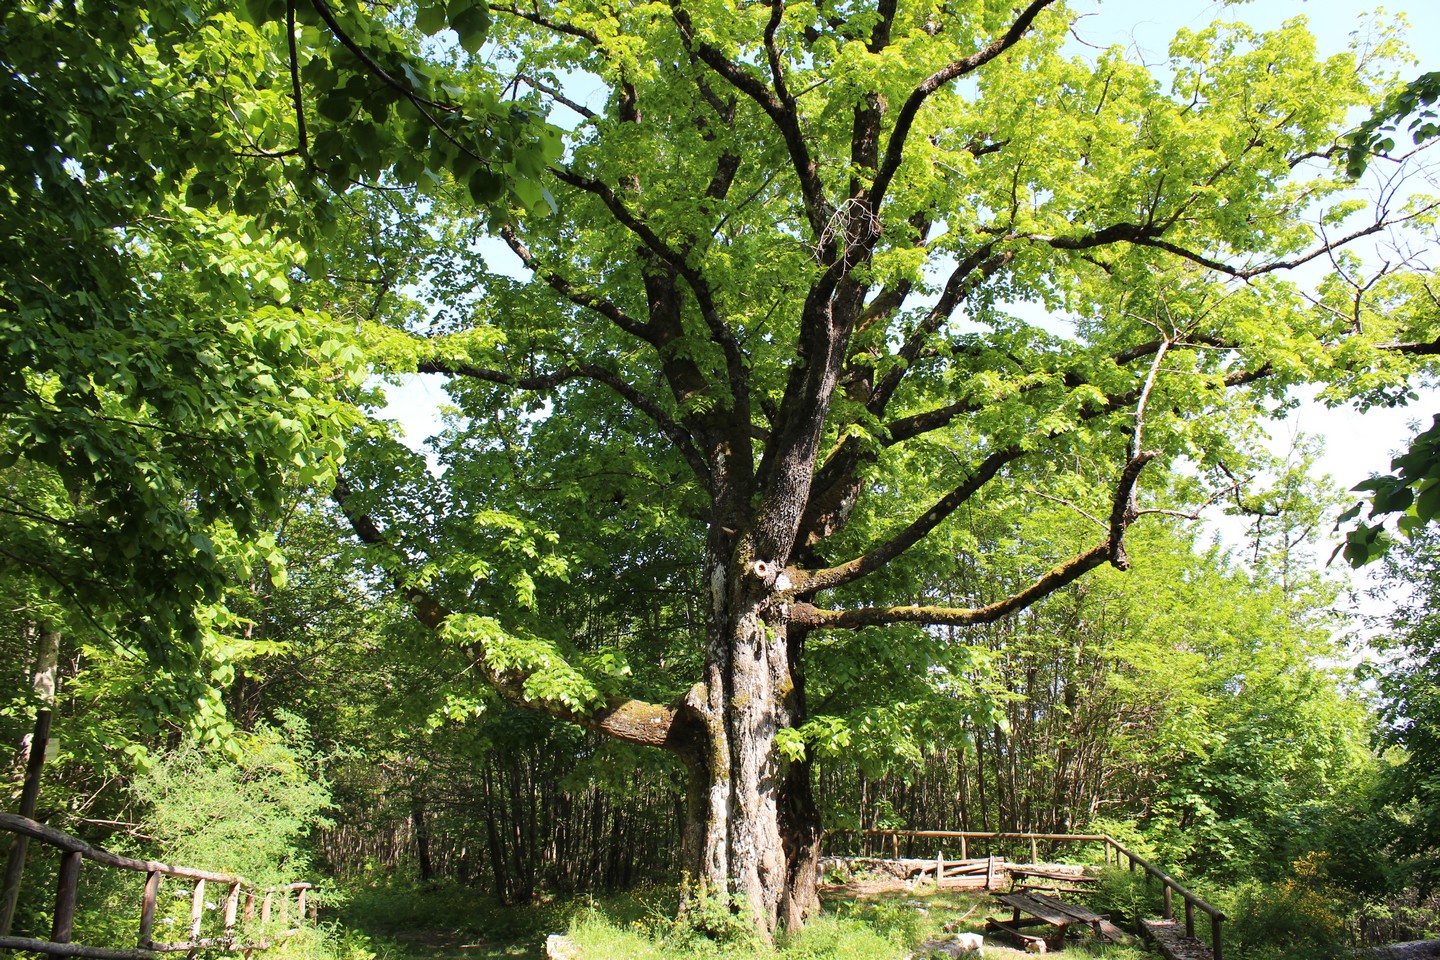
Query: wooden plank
1028	903
1165	934
64	841
1079	913
232	907
24	944
1027	887
1113	933
1053	875
993	923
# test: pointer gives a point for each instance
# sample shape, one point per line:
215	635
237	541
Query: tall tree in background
763	349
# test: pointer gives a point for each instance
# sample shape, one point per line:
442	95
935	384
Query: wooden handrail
74	850
1169	881
1169	884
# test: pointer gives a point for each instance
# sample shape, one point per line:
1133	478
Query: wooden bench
1037	909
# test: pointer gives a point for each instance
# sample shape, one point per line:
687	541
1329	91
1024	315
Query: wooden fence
1168	883
242	900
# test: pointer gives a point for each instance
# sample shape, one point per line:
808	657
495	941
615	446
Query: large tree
768	349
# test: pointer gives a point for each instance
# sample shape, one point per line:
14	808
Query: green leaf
473	25
431	19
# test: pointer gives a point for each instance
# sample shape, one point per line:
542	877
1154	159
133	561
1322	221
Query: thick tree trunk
752	833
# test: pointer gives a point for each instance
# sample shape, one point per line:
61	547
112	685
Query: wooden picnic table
1036	909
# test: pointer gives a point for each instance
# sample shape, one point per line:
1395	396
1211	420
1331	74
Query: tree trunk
752	832
420	823
31	759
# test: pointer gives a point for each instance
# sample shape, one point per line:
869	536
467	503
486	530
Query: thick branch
641	402
1151	235
570	292
781	113
957	288
633	721
1058	577
807	584
720	332
895	150
1112	550
554	25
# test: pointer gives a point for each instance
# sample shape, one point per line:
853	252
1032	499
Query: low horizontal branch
624	718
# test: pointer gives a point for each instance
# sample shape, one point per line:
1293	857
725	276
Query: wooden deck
1169	936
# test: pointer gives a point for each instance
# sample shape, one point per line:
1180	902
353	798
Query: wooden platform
1169	936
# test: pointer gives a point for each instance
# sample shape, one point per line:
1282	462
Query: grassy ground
404	923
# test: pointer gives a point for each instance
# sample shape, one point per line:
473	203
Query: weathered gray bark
752	830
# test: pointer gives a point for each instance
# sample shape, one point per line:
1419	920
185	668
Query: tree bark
32	759
752	830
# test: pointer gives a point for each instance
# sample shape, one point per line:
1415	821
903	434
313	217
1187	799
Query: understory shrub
247	810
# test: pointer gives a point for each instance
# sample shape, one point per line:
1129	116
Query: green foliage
1126	895
247	812
1415	100
1411	491
1282	921
1409	790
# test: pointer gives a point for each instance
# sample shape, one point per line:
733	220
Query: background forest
680	328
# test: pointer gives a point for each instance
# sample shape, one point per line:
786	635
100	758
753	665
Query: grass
399	922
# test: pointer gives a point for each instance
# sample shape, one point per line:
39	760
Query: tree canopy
792	326
825	288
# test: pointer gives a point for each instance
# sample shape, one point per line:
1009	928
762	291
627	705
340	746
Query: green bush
1282	921
246	810
1126	897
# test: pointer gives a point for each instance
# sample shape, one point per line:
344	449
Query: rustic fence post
300	905
1034	851
265	906
1189	918
232	907
1169	901
147	909
197	910
964	849
65	897
939	868
1215	949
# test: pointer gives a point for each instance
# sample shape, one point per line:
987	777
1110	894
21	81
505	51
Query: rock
955	945
558	947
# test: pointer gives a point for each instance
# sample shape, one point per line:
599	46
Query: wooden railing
1168	883
74	851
